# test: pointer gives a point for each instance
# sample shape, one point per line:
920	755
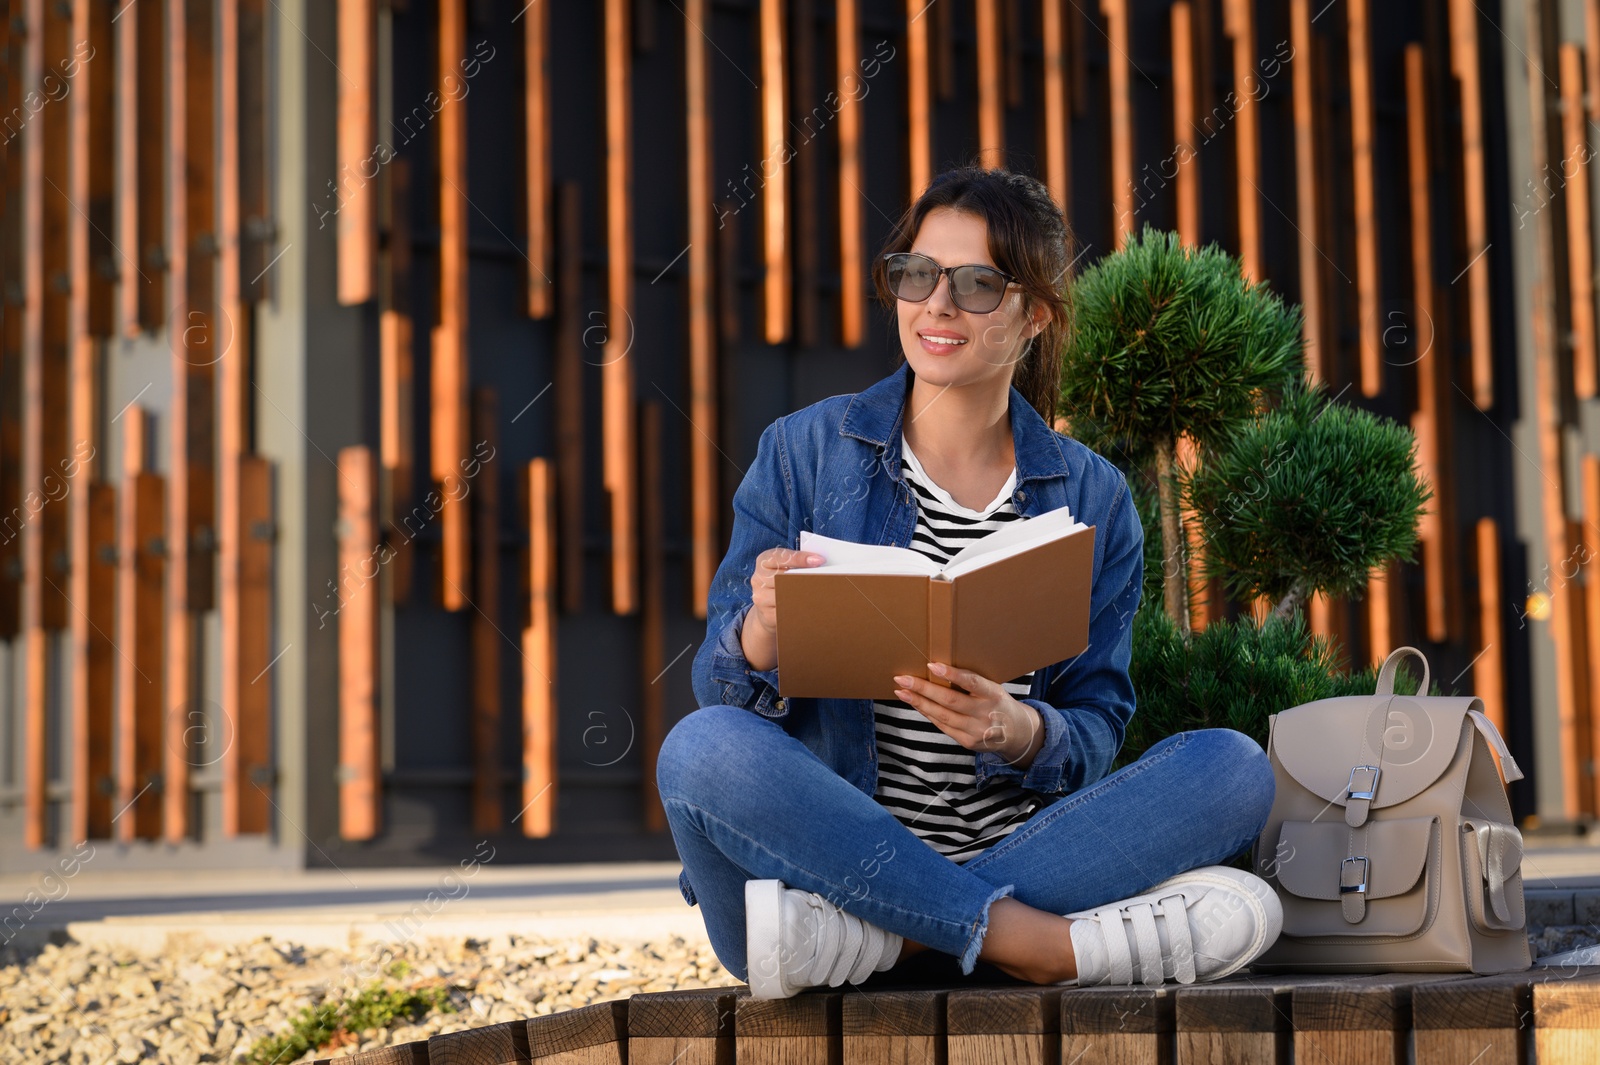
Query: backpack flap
1367	752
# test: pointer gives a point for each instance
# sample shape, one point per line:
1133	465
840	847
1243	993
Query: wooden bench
1541	1017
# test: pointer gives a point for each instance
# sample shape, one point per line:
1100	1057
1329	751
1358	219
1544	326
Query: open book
1013	601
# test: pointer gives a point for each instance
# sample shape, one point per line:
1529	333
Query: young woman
828	839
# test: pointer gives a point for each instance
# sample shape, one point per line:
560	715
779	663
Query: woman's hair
1029	239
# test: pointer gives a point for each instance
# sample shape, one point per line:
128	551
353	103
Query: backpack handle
1391	666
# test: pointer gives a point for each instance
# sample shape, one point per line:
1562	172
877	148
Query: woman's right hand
763	582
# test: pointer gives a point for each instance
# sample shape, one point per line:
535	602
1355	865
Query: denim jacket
834	468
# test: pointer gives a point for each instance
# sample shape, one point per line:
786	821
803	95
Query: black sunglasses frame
949	271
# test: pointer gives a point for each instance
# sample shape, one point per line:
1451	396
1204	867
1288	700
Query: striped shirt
925	778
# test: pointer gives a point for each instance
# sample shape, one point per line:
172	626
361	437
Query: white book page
846	556
1013	539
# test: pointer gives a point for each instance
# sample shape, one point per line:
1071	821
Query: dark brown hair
1029	239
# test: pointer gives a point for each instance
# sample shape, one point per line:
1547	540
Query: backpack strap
1391	666
1508	764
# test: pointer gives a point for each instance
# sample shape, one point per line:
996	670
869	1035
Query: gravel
87	1005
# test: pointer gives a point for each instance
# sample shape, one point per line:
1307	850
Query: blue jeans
747	801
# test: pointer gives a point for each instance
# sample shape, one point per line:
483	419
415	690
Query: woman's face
990	344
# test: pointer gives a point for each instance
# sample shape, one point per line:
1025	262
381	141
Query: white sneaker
1201	925
797	939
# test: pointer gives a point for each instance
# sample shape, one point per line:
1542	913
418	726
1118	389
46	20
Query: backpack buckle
1371	789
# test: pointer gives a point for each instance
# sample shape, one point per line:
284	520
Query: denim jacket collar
874	415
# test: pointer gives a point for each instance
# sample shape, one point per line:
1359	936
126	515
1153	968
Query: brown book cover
844	633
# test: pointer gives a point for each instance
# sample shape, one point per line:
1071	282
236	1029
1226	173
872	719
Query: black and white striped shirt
925	778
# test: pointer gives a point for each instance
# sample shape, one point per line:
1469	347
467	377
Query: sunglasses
975	289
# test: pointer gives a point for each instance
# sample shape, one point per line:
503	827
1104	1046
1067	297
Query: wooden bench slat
691	1027
788	1031
495	1044
1116	1025
892	1027
1004	1024
596	1034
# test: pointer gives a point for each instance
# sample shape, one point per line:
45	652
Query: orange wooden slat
1590	560
141	578
653	630
1057	123
919	96
94	182
357	195
198	338
94	721
254	210
1591	54
11	278
485	495
703	458
1307	189
236	791
1187	178
991	100
776	282
568	398
1488	669
144	128
536	97
616	382
360	788
539	705
46	339
1432	400
1574	178
852	272
1117	61
1380	613
247	771
806	302
943	37
1464	64
1366	216
92	618
1564	581
1240	27
450	393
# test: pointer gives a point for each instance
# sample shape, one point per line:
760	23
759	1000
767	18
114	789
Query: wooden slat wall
1590	539
360	798
248	771
616	379
397	385
141	137
539	705
1117	61
355	194
141	581
254	208
1488	669
807	256
537	110
46	339
92	581
450	395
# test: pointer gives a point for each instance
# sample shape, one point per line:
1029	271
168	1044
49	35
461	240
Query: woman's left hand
984	717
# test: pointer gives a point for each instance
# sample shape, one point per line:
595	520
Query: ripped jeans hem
969	954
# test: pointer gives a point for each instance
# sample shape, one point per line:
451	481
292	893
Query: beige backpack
1390	842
